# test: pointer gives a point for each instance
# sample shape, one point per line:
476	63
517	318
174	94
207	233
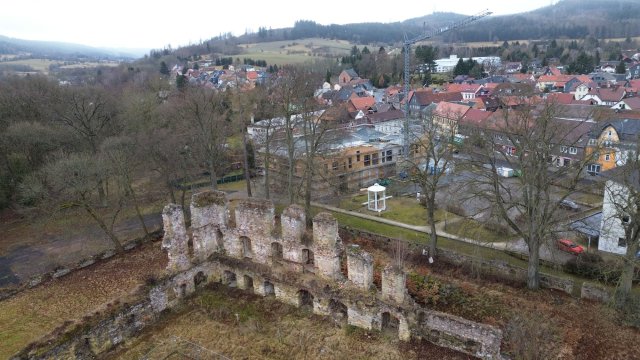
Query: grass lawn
472	229
403	209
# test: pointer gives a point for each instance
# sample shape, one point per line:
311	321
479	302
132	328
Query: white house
612	237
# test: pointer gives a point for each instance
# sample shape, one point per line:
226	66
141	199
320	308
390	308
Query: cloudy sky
154	24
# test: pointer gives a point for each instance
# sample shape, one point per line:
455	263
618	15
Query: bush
497	228
456	209
592	266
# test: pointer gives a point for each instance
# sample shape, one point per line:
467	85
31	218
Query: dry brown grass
36	312
242	326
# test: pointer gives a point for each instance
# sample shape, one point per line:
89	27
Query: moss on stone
208	198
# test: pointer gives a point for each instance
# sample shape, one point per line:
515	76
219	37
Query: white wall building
612	238
447	64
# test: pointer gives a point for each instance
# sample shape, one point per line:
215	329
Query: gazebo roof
376	188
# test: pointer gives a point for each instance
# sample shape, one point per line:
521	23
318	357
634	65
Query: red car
569	246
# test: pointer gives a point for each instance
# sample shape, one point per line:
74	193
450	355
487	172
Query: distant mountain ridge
565	19
60	50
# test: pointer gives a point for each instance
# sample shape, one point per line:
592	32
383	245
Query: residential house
613	141
582	90
612	235
632	103
512	67
604	79
633	72
364	103
552	82
468	91
446	116
605	96
388	122
560	98
346	76
572	140
420	99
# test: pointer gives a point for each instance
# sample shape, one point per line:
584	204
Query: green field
42	65
297	51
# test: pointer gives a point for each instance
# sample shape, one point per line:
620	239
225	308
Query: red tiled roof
463	88
633	102
560	98
451	110
427	97
475	117
554	78
608	94
361	103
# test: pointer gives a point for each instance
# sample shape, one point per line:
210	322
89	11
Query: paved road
21	263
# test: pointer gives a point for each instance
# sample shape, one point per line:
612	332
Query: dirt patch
36	312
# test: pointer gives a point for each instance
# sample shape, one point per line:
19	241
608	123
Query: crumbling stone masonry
300	271
295	270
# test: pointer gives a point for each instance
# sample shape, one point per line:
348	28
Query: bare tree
526	139
291	94
72	181
431	160
88	113
205	116
121	158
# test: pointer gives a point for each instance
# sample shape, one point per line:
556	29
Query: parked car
569	205
569	246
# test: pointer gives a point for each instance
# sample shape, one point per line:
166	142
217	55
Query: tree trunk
307	194
267	192
138	213
433	244
112	236
626	279
533	266
101	194
213	177
247	174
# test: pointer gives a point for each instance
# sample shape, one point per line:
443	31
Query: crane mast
407	64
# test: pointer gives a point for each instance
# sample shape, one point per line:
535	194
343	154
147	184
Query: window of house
607	157
609	133
594	169
350	161
592	141
374	158
563	149
389	155
367	160
357	156
622	242
334	166
573	150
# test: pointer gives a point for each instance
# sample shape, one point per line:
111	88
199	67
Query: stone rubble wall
255	222
350	301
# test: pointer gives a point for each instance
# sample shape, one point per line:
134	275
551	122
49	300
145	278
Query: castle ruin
249	252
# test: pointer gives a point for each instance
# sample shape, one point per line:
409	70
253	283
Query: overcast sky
155	24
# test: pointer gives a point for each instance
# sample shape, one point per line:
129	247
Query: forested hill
567	18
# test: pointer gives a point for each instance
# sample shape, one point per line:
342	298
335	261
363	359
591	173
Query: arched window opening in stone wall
306	299
276	251
248	283
200	279
229	279
247	252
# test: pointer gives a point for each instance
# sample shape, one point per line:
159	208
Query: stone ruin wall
301	272
254	256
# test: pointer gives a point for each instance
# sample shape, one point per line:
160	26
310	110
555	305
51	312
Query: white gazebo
376	198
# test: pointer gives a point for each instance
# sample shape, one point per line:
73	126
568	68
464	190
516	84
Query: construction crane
407	64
